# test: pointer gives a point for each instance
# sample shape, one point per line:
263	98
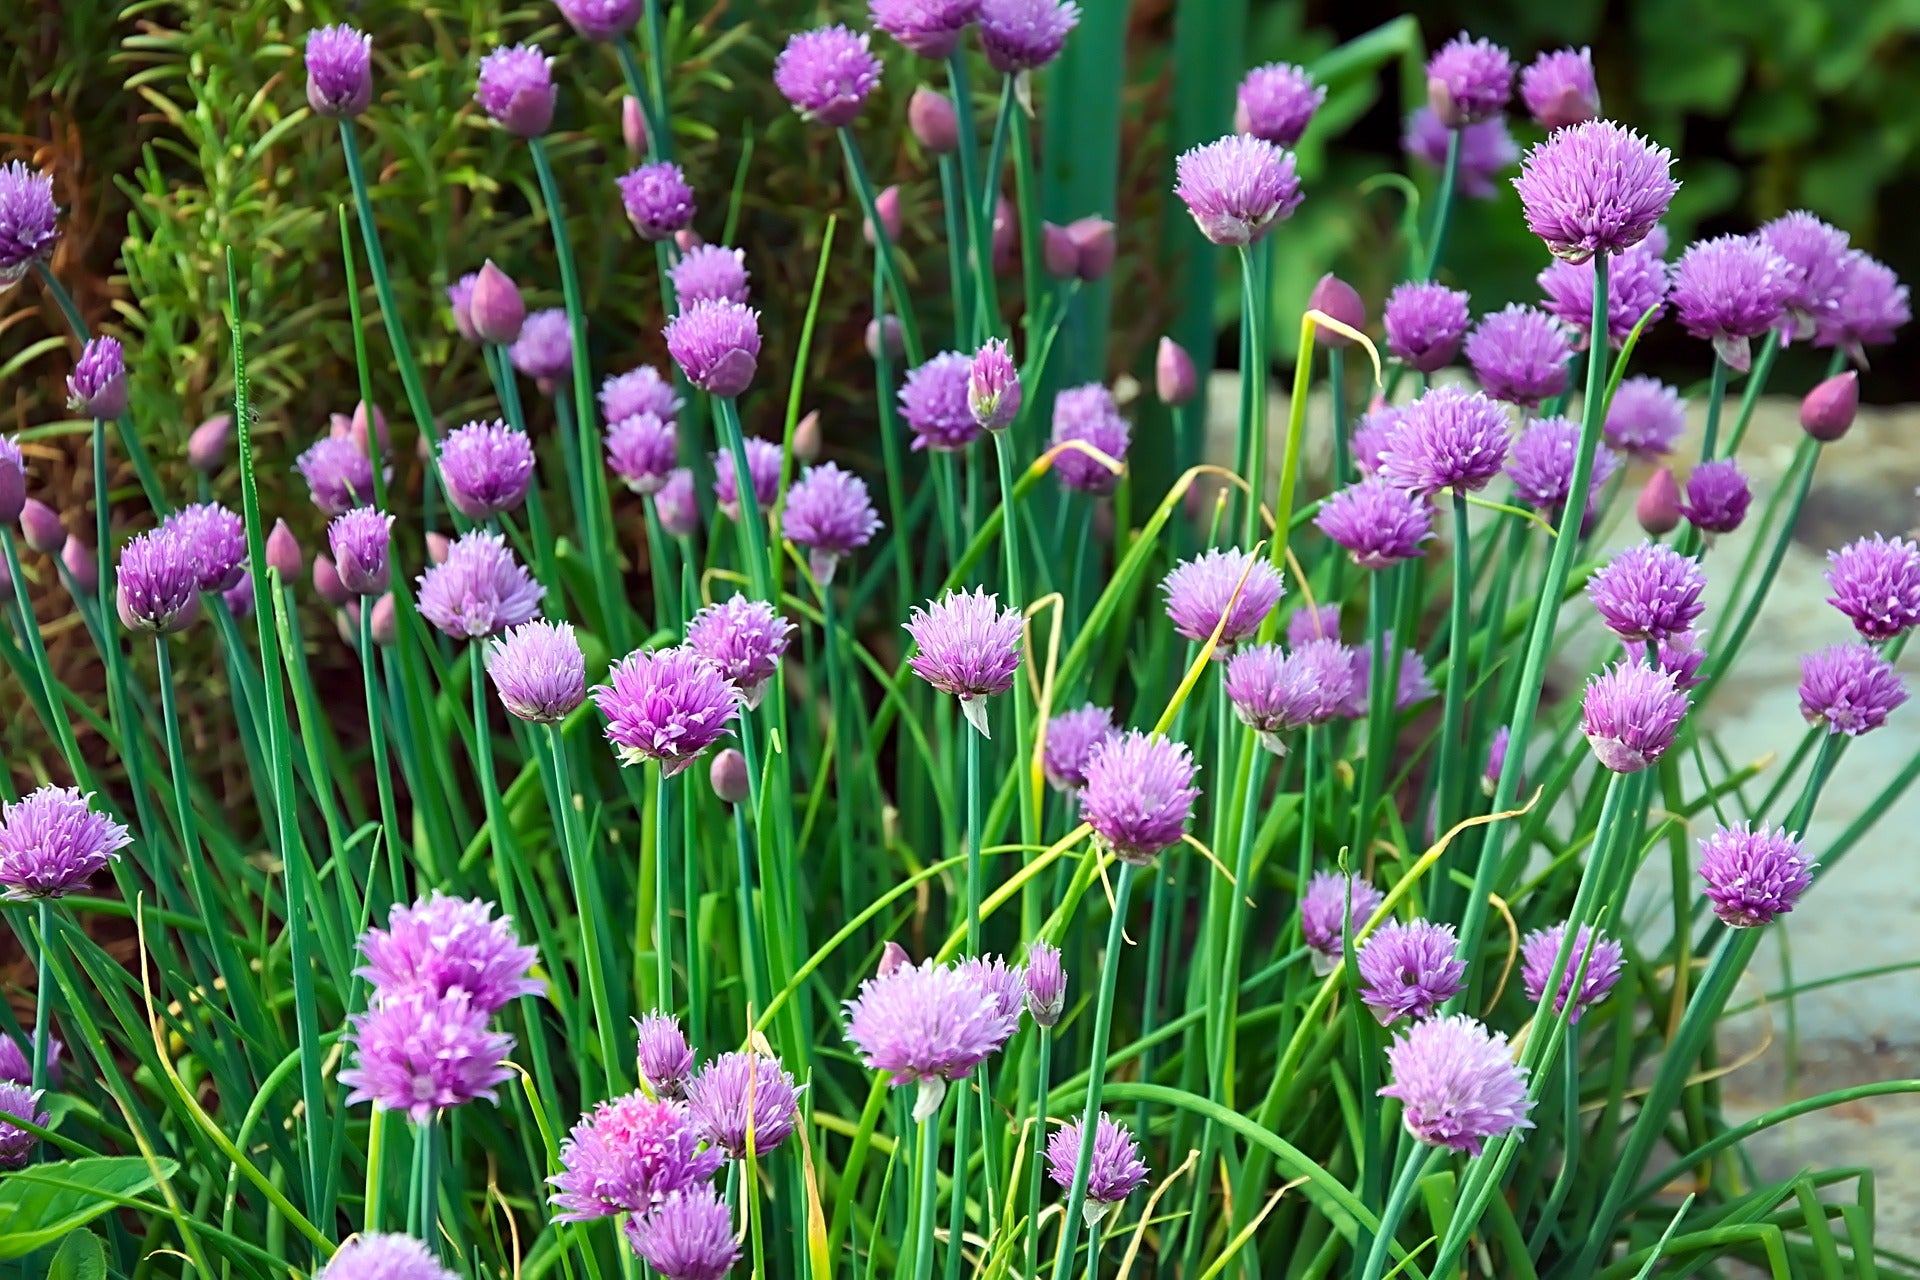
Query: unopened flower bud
496	310
633	127
383	620
887	205
357	427
886	329
41	526
892	957
1057	253
1335	297
1174	378
1094	246
437	545
283	553
728	773
346	621
1827	412
1440	99
1005	234
207	446
326	580
806	437
13	481
1658	507
82	566
686	240
930	116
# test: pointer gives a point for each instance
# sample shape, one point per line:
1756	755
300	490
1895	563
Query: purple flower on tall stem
1519	354
1872	306
1541	464
486	468
1560	90
829	513
1816	258
1115	1173
930	28
1850	688
1276	102
639	390
1070	741
422	1053
1139	795
29	220
626	1156
666	1061
745	639
641	450
1648	592
52	842
339	71
544	349
1679	655
711	271
1203	591
1175	380
442	944
933	400
1237	188
1631	714
159	582
1729	290
657	199
925	1024
1717	496
516	89
1876	584
827	74
360	540
1370	435
1754	876
16	1143
1379	523
539	671
1542	947
216	539
716	343
687	1236
1410	969
1449	438
969	647
1637	283
1088	413
97	386
1596	187
1457	1084
1414	687
479	590
460	305
1646	419
1469	80
16	1062
763	472
668	705
677	505
993	386
1496	760
1275	693
1025	35
1325	916
1425	323
1046	983
742	1101
383	1256
601	20
1487	150
339	474
1310	622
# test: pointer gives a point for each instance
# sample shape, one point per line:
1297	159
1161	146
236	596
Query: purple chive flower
925	1024
993	386
602	20
1542	947
626	1156
1646	419
657	199
1088	413
738	1096
1849	687
216	538
687	1236
1717	496
1325	914
641	450
1139	795
745	639
539	671
677	505
1237	188
763	473
1754	876
339	71
1370	435
486	468
158	582
1425	323
716	343
383	1256
544	349
1175	380
360	541
1449	438
1631	714
339	474
1816	258
1729	290
97	386
930	28
1071	739
16	1063
1541	464
516	89
16	1144
418	1052
442	944
1876	584
29	220
933	400
1637	283
1115	1173
711	271
1648	592
52	843
1410	969
1519	354
1006	983
1025	35
1414	687
1468	81
1559	89
827	74
1496	760
1276	102
666	1061
479	590
1312	622
969	647
1275	693
1046	984
1872	305
460	305
1487	150
829	513
1201	593
1596	187
1457	1083
1679	655
668	705
639	390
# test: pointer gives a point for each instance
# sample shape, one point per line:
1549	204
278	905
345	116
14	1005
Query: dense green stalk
1716	401
42	991
587	890
1453	748
1443	209
662	894
1017	599
382	770
1402	1193
883	251
1253	380
59	721
1036	1157
752	524
928	1153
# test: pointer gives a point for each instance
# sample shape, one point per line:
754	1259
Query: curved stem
1253	402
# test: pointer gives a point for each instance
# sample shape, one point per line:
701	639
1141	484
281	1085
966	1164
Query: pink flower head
486	468
930	28
1408	970
1541	464
1326	916
1849	688
1631	715
641	450
926	1024
601	20
1457	1084
52	842
716	343
933	400
1602	967
627	1156
1637	283
479	590
1088	413
1729	290
1876	584
1754	876
158	583
764	459
1648	592
711	271
1449	438
639	390
1595	187
1871	307
339	71
539	671
1520	355
441	944
745	639
1816	258
1203	591
1487	150
29	219
1560	90
968	646
666	1061
829	514
993	386
657	199
516	89
97	386
1646	419
1025	35
1717	496
1046	984
216	538
1071	739
421	1053
1275	692
339	474
1139	794
1469	80
380	1255
1425	323
668	705
687	1236
1237	188
1116	1171
1276	102
742	1101
827	74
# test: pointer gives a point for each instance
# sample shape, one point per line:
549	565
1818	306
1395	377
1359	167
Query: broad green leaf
42	1204
80	1257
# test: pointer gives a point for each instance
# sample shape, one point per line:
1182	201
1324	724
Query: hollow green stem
752	524
883	245
382	769
662	894
928	1154
1443	209
1253	376
1453	717
42	990
1403	1188
1716	403
587	889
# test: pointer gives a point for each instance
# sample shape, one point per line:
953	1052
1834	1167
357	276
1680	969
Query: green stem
953	201
1397	1200
662	895
1443	212
929	1156
416	390
752	524
382	770
61	722
586	888
103	544
1017	598
883	246
1253	401
129	438
1027	208
1453	718
42	991
1716	401
975	881
743	897
1035	1175
1757	383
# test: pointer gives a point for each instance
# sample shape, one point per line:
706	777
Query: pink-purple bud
357	428
516	89
1057	252
283	552
887	205
339	71
1335	297
1175	380
728	773
41	526
13	481
207	446
806	437
887	330
1094	246
438	544
384	625
98	385
326	580
1658	507
1827	411
496	310
82	566
930	115
633	127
